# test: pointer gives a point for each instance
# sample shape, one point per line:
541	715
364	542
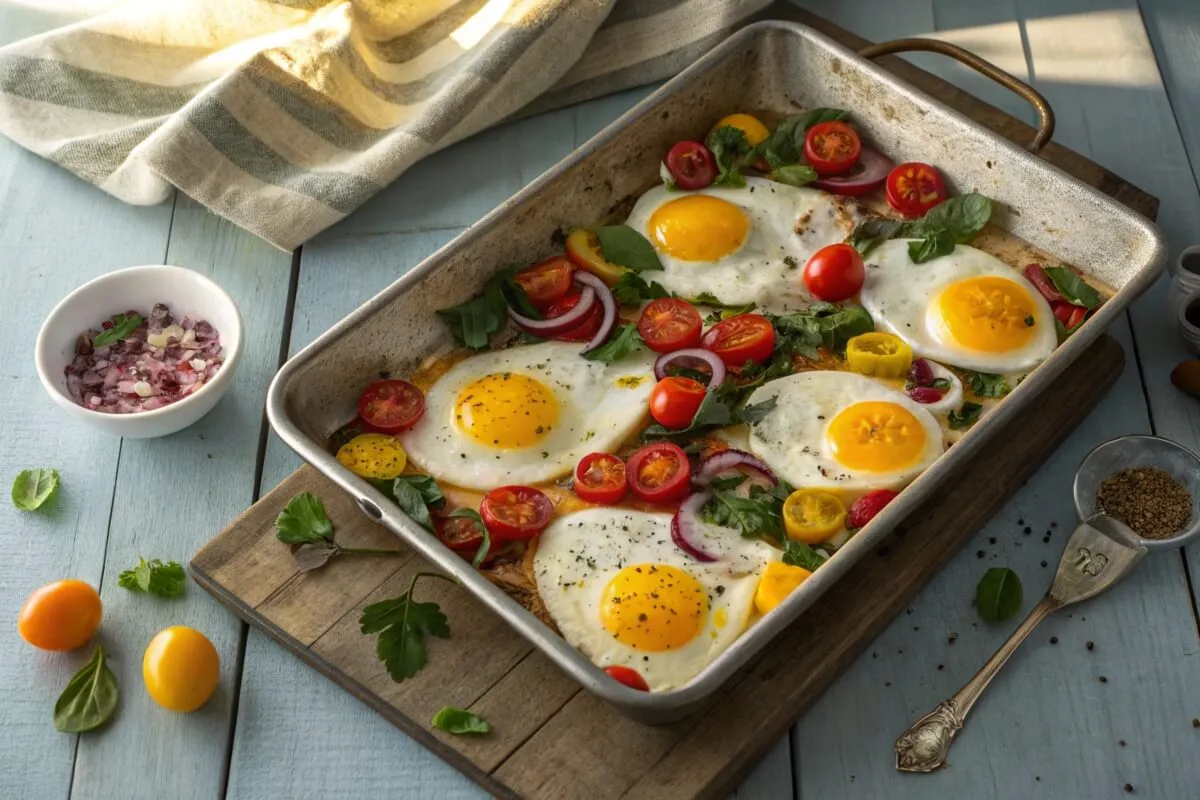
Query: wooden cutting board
552	740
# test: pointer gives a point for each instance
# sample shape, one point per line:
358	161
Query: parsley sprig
402	624
304	524
155	577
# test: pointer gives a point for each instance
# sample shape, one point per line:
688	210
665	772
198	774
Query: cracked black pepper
1148	500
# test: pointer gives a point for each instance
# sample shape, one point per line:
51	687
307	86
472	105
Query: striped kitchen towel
283	116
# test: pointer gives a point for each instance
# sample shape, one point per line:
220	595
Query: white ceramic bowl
139	288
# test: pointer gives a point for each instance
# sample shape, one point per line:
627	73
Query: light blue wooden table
1064	721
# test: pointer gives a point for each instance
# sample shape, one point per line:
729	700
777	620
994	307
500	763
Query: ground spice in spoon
1148	500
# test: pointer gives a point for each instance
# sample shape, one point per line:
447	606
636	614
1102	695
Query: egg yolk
876	436
698	228
653	607
989	313
506	410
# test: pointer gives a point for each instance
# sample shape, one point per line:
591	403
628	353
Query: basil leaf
1074	289
474	322
954	221
416	494
155	577
757	412
459	721
965	417
985	384
303	520
122	326
728	144
631	289
712	413
794	174
872	232
998	595
934	245
799	554
785	145
625	247
89	699
625	341
33	488
486	544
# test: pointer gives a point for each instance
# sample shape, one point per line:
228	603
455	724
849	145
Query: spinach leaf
799	554
728	144
33	488
89	699
998	595
459	721
631	289
155	577
416	495
1074	289
965	417
712	413
985	384
794	174
625	247
872	232
623	342
122	326
304	521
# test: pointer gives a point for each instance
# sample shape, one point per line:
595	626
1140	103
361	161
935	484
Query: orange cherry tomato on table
691	165
583	248
181	668
670	324
746	337
391	406
62	615
629	677
914	188
834	273
659	473
547	282
586	329
600	478
674	401
831	148
515	512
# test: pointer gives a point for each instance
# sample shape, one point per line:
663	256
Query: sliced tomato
547	282
515	512
674	401
659	473
834	273
914	188
600	478
746	337
460	534
586	329
831	148
583	248
1069	315
669	324
391	406
691	165
1037	275
629	677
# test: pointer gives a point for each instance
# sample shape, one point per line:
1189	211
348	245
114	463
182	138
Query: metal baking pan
770	66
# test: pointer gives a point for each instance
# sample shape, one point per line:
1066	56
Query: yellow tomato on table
60	616
181	668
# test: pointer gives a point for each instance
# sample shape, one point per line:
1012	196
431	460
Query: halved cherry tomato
515	512
691	165
746	337
1069	315
583	248
600	478
629	677
461	534
547	282
659	473
831	148
834	273
914	188
865	508
586	329
669	324
391	406
674	401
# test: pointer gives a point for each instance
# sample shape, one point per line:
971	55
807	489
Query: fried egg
623	594
527	414
741	245
968	308
844	431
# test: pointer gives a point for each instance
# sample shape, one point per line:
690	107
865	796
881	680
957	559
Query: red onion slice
694	355
563	322
605	296
872	169
686	527
722	462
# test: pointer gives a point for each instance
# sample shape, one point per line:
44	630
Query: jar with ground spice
1147	499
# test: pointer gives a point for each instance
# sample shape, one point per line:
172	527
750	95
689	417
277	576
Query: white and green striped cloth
283	116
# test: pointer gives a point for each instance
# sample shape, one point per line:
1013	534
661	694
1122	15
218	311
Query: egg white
579	553
597	410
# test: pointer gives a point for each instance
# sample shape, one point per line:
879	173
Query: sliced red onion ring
724	461
872	169
605	296
694	355
563	322
686	527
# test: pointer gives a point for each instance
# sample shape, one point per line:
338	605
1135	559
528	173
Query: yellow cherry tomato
583	248
812	515
61	616
754	130
373	455
880	355
777	582
181	668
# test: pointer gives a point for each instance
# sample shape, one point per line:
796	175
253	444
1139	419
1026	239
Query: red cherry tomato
515	512
586	329
834	273
691	165
746	337
628	677
461	534
391	406
600	478
547	282
659	473
670	324
831	148
674	401
914	188
1069	315
864	509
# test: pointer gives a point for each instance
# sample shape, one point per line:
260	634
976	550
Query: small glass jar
1185	286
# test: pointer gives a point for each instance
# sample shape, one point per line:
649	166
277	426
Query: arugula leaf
728	144
155	577
623	342
416	495
799	554
785	145
303	520
965	417
402	624
985	384
1074	289
713	412
631	289
625	247
33	488
998	595
89	699
122	326
486	544
757	412
793	174
872	232
459	721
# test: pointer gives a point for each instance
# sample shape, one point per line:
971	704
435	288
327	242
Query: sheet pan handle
1045	126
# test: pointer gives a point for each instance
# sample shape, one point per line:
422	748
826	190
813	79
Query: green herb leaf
725	312
304	521
512	292
458	721
155	577
623	342
872	232
486	544
728	144
416	495
956	220
757	412
474	322
822	325
965	417
985	384
941	384
402	624
1074	289
712	413
794	174
799	554
998	595
631	289
122	326
934	245
785	145
625	247
728	482
89	699
32	488
755	517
